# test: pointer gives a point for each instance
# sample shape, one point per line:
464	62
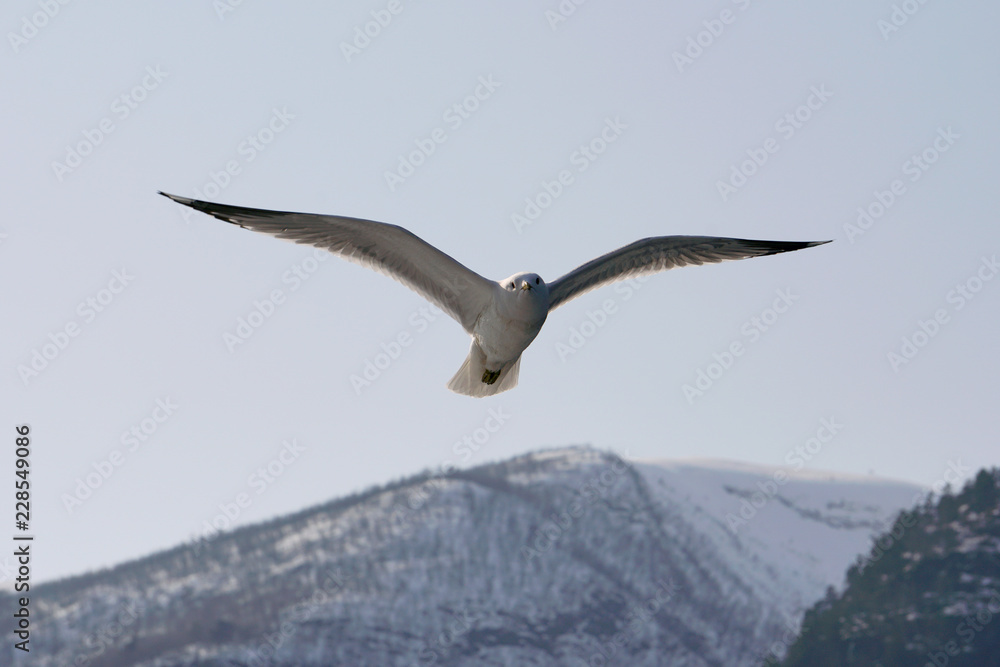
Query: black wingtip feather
776	247
223	212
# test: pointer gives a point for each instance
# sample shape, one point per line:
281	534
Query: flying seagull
502	317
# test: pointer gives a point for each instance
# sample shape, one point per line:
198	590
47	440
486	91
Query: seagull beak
525	285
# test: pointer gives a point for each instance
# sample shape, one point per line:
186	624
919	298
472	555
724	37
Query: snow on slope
545	559
794	532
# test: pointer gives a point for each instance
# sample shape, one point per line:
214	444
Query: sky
180	375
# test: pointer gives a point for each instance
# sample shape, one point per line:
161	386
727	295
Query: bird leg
489	377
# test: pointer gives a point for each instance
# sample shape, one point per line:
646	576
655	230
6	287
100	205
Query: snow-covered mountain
927	593
562	557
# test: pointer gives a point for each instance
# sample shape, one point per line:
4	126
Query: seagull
503	317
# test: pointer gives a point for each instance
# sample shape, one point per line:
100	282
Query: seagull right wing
660	253
388	249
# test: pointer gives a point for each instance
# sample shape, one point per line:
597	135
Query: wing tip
777	247
186	201
176	198
215	210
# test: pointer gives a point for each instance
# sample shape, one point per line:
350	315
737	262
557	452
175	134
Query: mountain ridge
565	556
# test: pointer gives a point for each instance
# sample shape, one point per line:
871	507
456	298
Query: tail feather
469	378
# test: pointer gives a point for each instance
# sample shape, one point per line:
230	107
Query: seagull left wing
388	249
657	254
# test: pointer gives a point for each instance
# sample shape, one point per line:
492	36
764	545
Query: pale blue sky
837	105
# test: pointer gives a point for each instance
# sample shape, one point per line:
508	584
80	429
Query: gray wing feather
388	249
659	254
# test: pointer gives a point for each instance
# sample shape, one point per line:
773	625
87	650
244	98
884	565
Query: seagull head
530	294
526	283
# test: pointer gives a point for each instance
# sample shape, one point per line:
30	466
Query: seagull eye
538	280
512	285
